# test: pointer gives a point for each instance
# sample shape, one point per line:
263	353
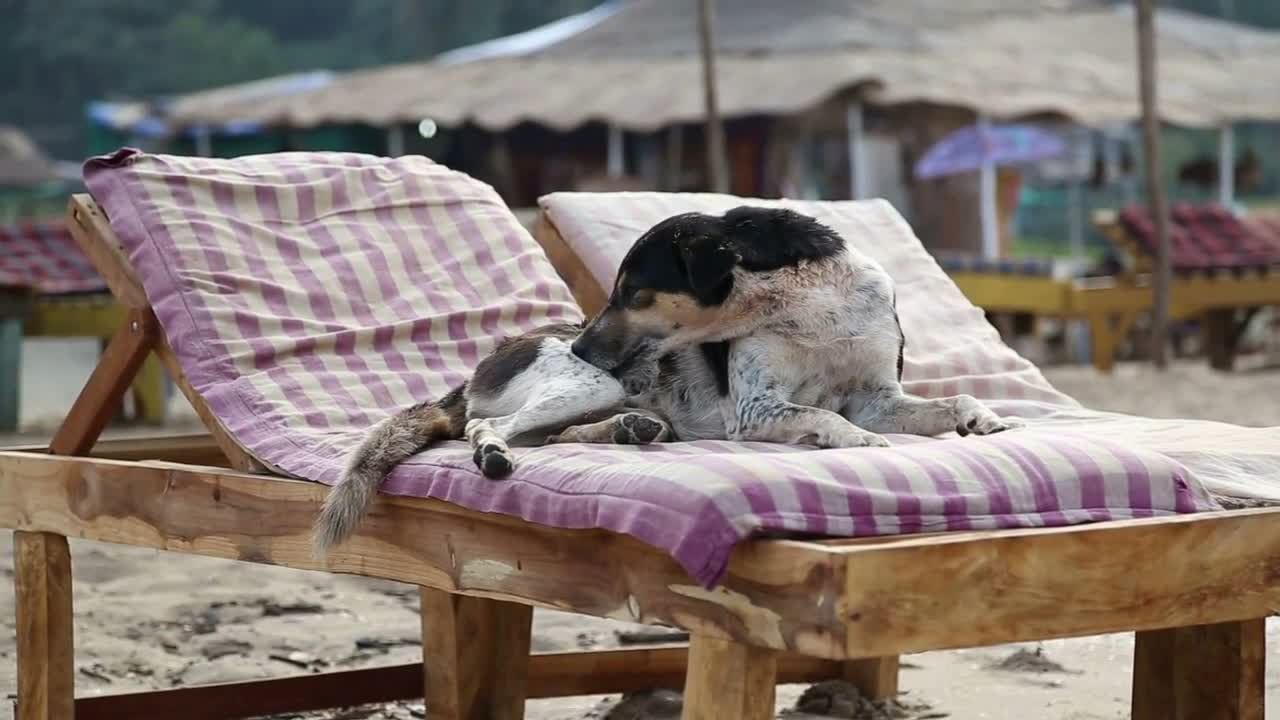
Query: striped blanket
308	296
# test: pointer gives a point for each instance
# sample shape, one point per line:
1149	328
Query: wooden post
1204	672
729	680
875	678
717	170
615	160
1226	166
46	648
855	129
475	655
1155	182
395	141
1218	328
204	141
1075	218
988	211
673	166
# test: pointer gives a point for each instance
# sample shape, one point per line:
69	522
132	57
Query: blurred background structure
1006	131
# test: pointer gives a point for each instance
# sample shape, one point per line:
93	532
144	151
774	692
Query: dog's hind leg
554	407
633	427
892	411
491	453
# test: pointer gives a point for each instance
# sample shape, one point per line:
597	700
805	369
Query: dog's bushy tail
387	445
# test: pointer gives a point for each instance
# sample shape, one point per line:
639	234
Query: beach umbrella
972	148
983	147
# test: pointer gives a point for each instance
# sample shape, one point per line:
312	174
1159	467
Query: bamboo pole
1155	182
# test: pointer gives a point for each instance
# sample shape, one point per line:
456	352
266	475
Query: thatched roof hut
22	163
633	64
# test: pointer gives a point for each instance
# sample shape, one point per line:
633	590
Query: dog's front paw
977	419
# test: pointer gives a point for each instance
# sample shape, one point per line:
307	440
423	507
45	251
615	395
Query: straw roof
21	160
636	66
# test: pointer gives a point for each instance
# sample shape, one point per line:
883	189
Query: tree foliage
1261	13
58	55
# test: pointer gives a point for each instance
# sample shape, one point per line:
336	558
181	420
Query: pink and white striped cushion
308	296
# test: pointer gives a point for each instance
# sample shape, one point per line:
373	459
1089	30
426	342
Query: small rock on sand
1028	661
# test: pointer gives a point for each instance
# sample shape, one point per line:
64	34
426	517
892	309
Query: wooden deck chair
58	295
1224	270
1195	587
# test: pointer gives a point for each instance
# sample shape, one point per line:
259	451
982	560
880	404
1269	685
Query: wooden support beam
875	678
729	680
551	675
475	655
194	448
779	593
46	662
106	387
1203	672
1205	568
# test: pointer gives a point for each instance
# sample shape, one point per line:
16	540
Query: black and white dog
760	324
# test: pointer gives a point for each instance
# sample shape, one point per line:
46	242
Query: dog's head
674	284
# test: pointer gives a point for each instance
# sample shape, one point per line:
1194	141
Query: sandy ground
150	620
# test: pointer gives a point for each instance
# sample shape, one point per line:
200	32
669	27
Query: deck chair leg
1219	328
726	679
1101	350
10	373
46	664
1203	672
875	678
101	396
475	656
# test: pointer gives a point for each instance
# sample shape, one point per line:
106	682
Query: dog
797	334
759	324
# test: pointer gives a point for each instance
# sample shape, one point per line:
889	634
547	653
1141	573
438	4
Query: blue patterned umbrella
969	148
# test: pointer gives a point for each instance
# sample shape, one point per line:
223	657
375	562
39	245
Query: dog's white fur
812	359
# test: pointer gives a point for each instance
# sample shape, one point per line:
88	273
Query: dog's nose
579	348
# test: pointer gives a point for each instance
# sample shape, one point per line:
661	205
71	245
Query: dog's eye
640	299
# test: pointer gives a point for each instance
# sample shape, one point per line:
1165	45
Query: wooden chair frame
1195	588
1213	298
1111	306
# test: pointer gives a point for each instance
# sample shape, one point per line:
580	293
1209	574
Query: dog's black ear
708	266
